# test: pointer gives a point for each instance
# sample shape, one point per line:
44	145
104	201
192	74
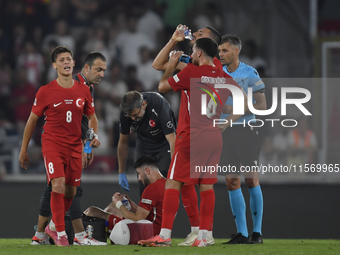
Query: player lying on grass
151	199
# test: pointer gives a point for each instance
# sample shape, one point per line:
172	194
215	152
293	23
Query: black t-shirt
158	121
84	122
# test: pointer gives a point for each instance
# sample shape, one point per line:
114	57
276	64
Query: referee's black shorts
241	147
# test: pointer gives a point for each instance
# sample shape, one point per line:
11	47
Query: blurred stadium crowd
129	34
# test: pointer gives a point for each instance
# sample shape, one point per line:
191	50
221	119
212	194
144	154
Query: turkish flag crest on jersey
80	102
152	123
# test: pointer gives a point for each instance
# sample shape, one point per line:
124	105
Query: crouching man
151	202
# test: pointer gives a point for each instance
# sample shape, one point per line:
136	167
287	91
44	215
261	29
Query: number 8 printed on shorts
50	168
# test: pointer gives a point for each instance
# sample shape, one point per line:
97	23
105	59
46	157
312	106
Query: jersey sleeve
124	124
255	81
166	118
89	103
40	102
181	80
149	198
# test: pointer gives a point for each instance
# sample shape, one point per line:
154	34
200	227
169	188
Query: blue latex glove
123	182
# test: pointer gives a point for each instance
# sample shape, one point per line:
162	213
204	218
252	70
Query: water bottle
89	138
187	33
185	59
126	203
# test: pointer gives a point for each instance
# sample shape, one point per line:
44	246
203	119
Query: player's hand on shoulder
24	160
179	35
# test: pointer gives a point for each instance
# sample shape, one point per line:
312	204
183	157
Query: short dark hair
146	160
58	50
91	57
215	34
131	100
208	45
232	40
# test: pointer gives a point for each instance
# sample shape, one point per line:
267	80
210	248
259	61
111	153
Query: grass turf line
270	246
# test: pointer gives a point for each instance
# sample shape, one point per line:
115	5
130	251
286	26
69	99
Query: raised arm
164	85
161	61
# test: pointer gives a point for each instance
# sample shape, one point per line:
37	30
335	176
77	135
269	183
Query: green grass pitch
270	246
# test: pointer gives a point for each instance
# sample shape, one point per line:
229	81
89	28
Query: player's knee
58	187
172	184
233	183
89	211
70	193
252	182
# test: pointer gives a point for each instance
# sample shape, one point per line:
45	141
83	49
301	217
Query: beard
146	181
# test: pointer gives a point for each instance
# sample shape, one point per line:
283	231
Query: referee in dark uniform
151	117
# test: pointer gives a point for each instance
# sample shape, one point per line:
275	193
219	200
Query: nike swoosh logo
169	151
55	105
77	180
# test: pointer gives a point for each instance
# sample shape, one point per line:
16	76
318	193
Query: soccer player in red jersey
189	196
196	136
91	74
63	102
151	199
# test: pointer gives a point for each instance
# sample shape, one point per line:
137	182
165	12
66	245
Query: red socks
58	211
170	207
207	207
190	203
59	205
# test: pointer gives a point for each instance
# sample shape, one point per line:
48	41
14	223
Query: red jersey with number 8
63	109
